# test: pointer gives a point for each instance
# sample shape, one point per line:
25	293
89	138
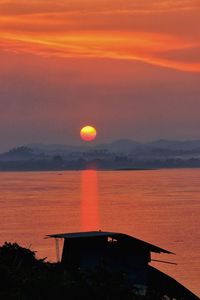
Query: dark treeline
27	159
25	277
116	163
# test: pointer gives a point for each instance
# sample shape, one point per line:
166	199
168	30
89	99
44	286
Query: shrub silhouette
25	277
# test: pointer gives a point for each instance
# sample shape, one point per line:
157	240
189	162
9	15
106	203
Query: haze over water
161	207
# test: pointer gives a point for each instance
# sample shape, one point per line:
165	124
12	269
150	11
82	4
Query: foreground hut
119	252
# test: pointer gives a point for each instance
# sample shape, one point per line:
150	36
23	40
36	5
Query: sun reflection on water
89	203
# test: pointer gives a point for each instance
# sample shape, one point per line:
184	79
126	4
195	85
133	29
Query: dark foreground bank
23	276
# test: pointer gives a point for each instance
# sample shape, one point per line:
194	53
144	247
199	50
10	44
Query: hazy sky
129	67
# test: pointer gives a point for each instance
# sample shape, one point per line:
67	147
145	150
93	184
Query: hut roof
121	237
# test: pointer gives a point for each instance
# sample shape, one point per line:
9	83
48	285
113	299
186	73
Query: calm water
161	207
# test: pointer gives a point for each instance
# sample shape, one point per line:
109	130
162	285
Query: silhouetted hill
125	146
18	153
176	145
120	154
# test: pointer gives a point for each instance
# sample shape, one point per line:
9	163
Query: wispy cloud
151	31
15	7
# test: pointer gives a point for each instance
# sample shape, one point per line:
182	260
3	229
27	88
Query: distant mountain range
122	146
124	153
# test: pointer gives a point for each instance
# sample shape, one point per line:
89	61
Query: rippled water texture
161	207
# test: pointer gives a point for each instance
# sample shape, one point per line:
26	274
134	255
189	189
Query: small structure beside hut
87	251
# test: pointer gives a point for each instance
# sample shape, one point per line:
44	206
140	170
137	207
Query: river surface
158	206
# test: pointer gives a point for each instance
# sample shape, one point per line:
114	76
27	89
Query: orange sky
161	32
141	57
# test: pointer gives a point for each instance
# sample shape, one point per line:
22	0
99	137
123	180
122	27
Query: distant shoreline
97	169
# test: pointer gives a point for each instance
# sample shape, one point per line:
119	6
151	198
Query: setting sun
88	133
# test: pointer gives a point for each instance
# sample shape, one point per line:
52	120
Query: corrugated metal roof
118	236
